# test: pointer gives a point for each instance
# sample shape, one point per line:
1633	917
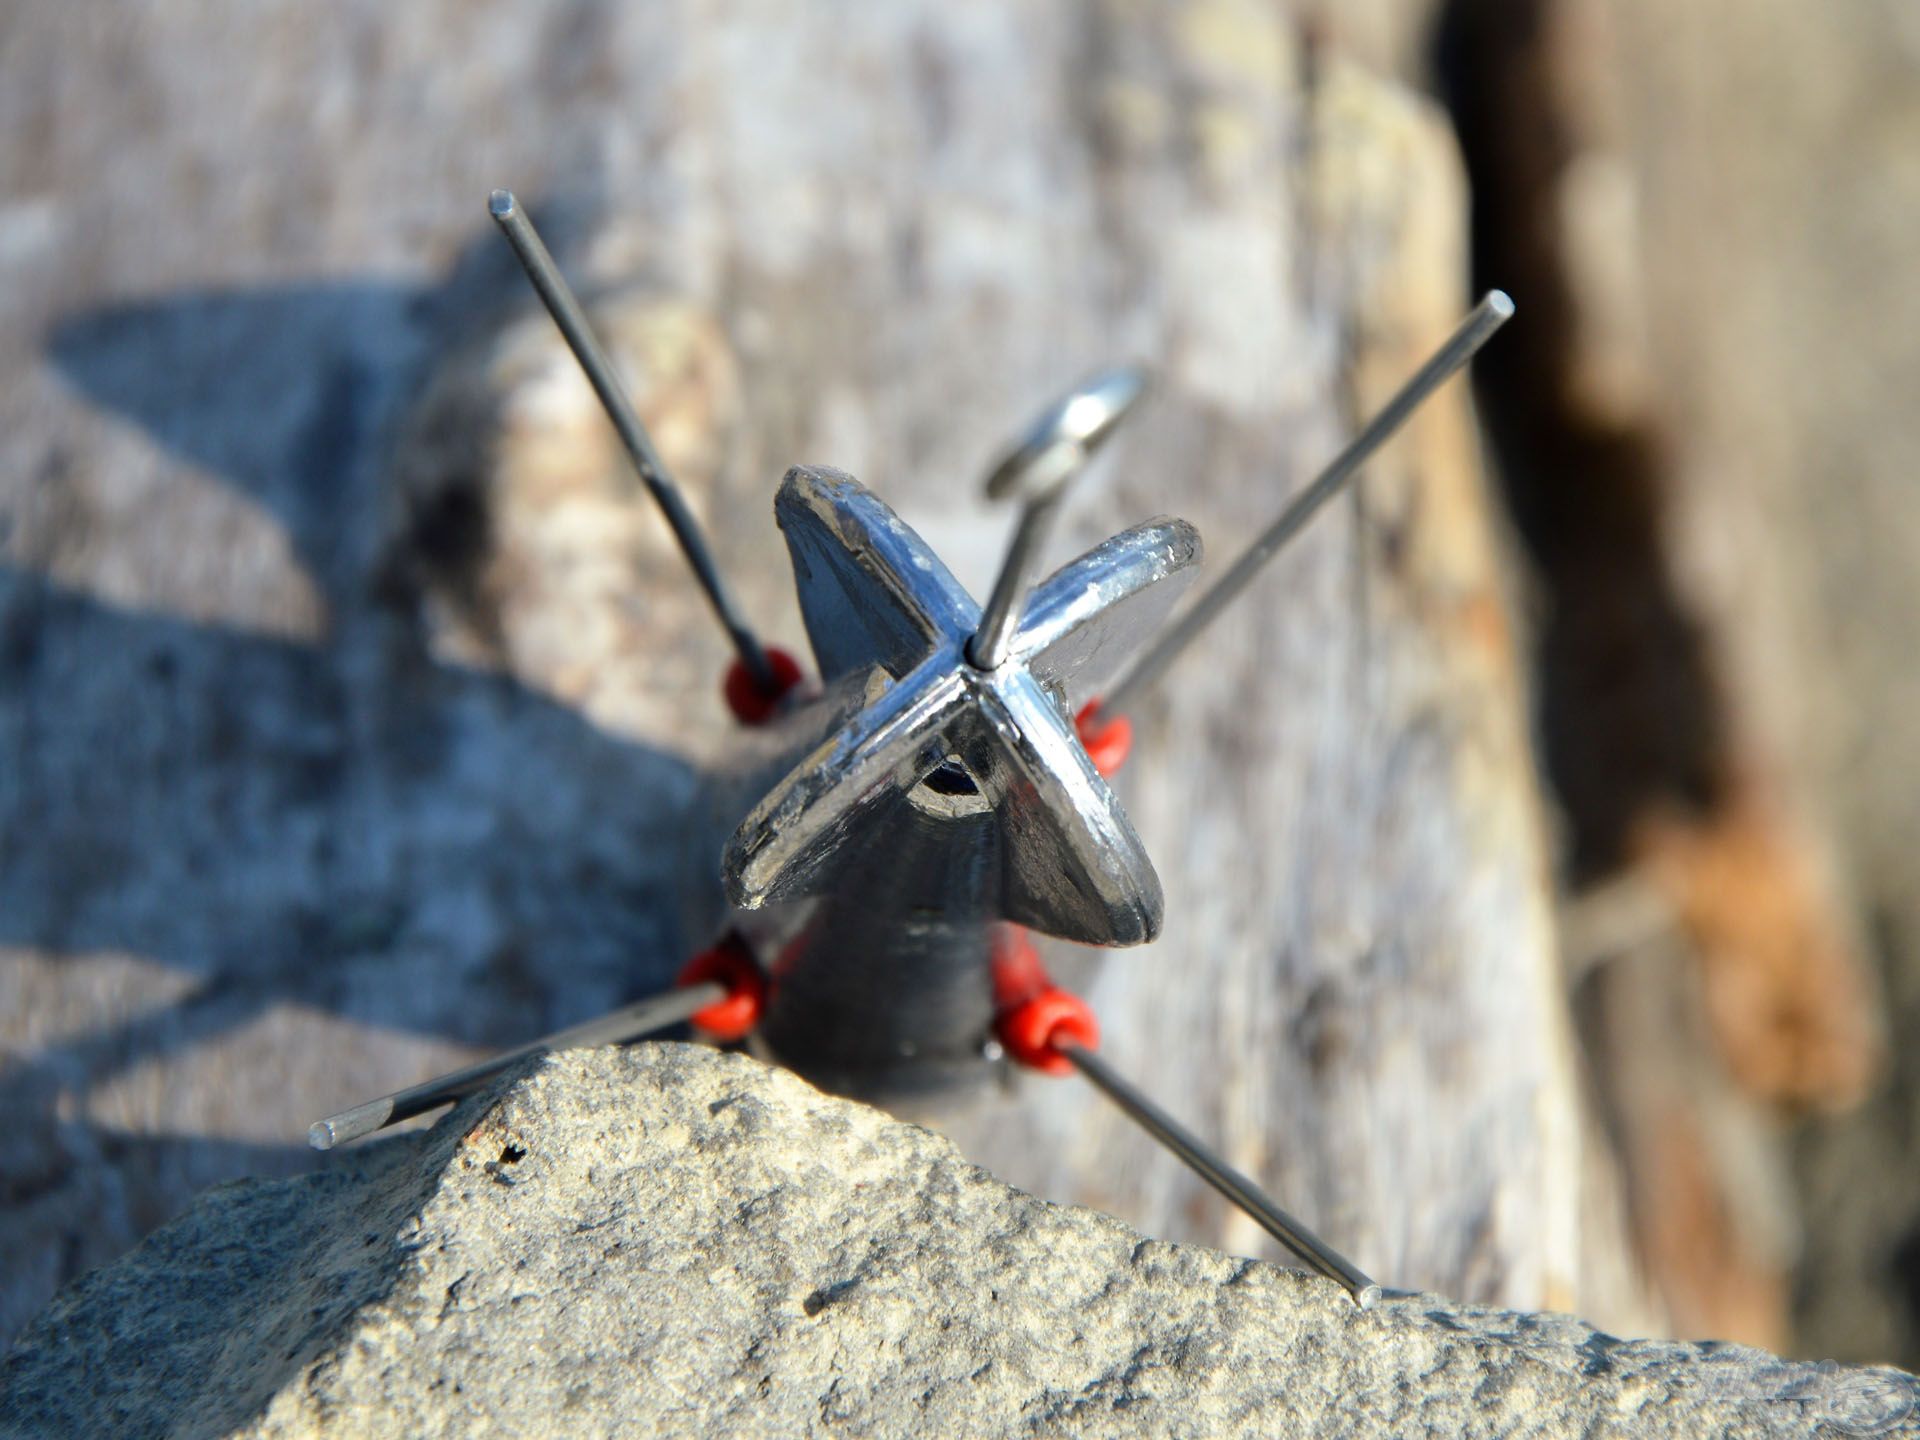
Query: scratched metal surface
269	844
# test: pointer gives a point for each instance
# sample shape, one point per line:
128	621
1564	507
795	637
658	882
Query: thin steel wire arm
1222	1176
629	1022
567	314
1493	311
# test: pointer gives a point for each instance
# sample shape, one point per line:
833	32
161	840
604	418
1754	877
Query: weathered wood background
342	744
1709	443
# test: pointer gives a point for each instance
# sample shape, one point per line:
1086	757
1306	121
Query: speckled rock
666	1240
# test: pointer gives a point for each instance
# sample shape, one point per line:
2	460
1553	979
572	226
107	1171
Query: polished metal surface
554	292
949	799
1493	311
1036	472
1065	435
875	596
630	1022
871	592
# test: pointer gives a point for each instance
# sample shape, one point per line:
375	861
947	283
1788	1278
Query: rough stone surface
667	1240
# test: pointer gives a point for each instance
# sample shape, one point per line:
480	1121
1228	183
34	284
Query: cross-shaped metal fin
871	592
877	600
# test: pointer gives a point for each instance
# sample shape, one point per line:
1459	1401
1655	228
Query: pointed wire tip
334	1130
1493	311
500	204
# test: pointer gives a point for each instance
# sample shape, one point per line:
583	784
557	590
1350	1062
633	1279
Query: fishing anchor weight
949	789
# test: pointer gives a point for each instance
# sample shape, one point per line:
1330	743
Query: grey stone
665	1239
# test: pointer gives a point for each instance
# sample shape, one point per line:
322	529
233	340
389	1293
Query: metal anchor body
947	792
954	798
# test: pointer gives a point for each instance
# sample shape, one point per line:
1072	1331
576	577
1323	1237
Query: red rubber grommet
1018	974
1030	1032
1107	741
731	964
750	704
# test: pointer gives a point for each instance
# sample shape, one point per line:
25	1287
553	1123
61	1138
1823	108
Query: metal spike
629	1022
567	314
1222	1176
1036	472
1493	311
